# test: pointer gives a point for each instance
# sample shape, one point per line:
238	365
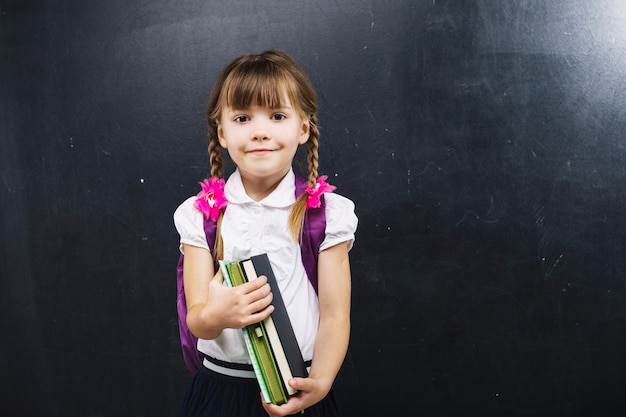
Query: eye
241	119
278	116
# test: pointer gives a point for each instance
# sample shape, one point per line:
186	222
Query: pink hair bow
321	187
211	199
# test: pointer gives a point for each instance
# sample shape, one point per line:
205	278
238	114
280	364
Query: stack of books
271	343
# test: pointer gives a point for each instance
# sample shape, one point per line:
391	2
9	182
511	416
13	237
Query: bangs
258	84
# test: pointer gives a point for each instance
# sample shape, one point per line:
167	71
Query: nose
260	131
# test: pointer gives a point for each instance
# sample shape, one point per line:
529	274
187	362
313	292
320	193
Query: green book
257	344
230	281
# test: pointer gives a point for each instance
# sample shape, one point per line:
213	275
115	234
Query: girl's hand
212	306
239	306
311	391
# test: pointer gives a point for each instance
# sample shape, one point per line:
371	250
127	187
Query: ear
306	132
220	136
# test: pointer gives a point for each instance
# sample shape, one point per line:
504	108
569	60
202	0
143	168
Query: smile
260	151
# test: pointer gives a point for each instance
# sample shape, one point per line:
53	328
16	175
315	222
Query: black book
288	343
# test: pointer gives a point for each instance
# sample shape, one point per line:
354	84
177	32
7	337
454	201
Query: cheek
229	138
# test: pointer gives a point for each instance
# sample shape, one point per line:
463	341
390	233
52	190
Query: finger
266	406
260	294
301	384
259	304
258	316
271	409
252	286
292	407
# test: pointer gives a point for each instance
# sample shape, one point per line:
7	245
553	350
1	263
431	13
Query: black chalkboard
482	142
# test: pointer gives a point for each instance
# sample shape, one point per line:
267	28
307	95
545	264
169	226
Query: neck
259	188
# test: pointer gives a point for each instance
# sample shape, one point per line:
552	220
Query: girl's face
262	142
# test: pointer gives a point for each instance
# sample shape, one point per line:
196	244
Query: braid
218	249
312	151
215	160
296	217
215	157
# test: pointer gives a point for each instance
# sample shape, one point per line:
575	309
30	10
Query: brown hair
263	80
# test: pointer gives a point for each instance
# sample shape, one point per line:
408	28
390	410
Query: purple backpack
313	234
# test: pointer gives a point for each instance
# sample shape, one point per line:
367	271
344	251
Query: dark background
482	142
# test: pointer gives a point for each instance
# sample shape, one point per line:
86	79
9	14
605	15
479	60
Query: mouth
261	151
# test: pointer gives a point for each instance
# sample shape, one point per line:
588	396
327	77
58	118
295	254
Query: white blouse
250	228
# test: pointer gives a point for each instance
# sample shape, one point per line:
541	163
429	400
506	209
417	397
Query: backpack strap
313	233
188	341
210	230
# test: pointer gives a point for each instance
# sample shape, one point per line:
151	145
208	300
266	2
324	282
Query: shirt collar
282	196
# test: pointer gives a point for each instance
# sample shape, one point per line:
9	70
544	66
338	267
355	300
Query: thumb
301	384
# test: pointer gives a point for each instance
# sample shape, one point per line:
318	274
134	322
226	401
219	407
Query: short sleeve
341	221
190	225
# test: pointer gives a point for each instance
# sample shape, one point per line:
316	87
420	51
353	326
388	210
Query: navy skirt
212	394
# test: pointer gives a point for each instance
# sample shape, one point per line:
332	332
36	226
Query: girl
261	109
